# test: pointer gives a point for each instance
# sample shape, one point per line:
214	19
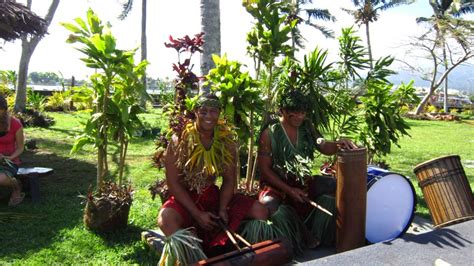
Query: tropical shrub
7	82
5	91
267	41
384	124
58	101
242	103
347	104
116	90
432	109
34	100
34	118
83	97
239	93
454	111
311	77
467	113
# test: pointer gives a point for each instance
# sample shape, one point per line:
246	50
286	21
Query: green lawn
432	139
52	232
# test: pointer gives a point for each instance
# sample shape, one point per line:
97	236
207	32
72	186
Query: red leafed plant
186	78
185	82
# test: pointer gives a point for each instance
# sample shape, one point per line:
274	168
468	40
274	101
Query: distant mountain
461	78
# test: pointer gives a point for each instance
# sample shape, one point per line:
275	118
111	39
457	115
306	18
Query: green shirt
292	159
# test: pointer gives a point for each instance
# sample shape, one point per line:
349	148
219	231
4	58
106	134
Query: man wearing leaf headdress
286	151
205	150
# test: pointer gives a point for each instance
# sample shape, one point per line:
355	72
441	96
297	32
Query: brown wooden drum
446	190
351	199
270	252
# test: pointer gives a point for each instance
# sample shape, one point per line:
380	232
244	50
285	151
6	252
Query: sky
182	17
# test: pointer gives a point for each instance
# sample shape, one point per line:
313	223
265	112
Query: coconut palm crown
367	11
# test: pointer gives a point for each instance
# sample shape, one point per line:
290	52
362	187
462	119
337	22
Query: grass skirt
284	223
255	231
181	248
321	225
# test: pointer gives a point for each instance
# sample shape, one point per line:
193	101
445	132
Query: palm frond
321	225
256	231
394	3
349	11
183	248
424	20
465	9
321	14
289	224
7	217
356	2
298	38
126	8
328	33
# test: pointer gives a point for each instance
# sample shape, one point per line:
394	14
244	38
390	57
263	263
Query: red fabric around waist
208	201
301	208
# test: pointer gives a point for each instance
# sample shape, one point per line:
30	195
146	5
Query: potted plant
116	89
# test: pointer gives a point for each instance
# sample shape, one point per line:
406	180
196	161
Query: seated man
205	150
286	147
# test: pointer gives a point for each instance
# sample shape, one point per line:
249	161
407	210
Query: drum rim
415	202
455	221
426	163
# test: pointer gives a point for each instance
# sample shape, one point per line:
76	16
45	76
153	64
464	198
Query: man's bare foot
313	243
16	198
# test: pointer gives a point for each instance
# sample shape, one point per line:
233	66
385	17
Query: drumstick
229	234
314	204
242	239
234	234
232	239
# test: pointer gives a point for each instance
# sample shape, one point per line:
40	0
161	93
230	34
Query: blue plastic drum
391	204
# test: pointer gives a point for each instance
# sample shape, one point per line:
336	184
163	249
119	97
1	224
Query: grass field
433	139
52	232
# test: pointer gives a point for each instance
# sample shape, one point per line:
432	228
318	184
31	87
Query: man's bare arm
173	180
331	147
229	181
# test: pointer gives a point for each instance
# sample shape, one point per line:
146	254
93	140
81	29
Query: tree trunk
248	175
435	84
445	63
446	96
27	49
211	26
424	101
144	52
73	84
369	47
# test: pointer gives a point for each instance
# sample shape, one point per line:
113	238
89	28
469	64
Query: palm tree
211	26
127	7
446	23
367	11
294	8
